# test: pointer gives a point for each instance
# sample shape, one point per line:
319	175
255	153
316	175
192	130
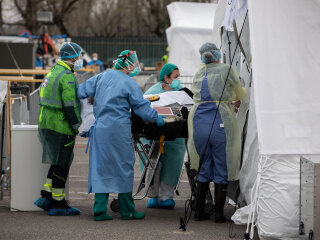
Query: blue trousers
212	150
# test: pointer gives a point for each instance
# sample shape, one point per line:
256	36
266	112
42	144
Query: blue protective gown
111	167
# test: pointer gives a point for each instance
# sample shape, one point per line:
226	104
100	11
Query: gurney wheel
115	205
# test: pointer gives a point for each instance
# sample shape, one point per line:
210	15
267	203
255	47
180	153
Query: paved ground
158	224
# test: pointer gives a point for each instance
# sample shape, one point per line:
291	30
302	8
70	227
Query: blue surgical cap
209	53
70	50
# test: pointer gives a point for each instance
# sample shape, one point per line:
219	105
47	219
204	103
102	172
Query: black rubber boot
220	193
201	192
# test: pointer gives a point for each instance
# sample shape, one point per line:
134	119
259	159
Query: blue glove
160	121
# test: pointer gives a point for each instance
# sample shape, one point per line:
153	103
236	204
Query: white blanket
171	97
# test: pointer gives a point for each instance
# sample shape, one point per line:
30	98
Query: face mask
134	72
94	59
78	64
175	83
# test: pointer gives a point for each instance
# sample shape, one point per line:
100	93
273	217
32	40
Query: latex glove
160	121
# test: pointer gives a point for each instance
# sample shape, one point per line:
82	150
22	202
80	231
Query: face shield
129	62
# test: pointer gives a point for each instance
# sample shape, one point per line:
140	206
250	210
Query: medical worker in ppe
217	152
59	119
111	167
171	161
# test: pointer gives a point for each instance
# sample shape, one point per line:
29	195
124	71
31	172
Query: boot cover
134	215
220	193
102	217
167	204
153	203
201	193
100	203
62	208
43	203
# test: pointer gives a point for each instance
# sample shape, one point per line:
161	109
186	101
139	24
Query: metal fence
20	113
149	49
186	81
34	107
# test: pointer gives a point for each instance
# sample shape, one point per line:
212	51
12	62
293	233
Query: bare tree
60	10
28	10
1	21
100	17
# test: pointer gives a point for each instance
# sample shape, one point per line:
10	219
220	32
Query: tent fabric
218	21
274	207
285	62
278	197
282	109
250	155
191	26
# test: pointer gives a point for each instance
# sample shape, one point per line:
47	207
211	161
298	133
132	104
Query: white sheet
87	116
285	36
171	97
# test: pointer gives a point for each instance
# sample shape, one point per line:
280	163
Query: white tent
283	117
282	122
191	26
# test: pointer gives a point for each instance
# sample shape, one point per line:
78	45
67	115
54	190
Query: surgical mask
78	64
175	83
94	59
134	72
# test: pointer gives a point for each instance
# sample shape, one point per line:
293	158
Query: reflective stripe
70	103
56	81
48	185
68	144
40	115
41	91
49	181
50	101
42	88
62	63
58	194
212	101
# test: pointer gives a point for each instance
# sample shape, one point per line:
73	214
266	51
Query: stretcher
176	126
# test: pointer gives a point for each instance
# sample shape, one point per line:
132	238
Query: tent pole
8	103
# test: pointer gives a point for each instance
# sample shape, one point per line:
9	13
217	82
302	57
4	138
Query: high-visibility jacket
59	105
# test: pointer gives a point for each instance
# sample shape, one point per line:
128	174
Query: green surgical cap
166	70
120	64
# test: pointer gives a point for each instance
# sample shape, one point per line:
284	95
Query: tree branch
19	8
68	7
